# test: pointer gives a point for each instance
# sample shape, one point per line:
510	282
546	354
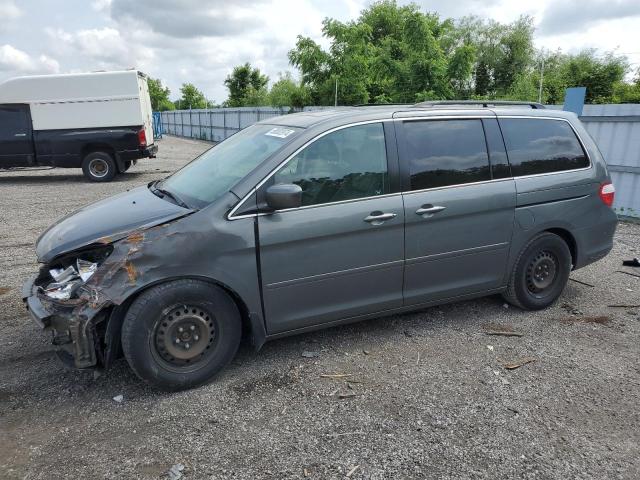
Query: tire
162	348
540	273
99	167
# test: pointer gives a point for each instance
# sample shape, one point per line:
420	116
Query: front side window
446	152
541	146
213	173
346	164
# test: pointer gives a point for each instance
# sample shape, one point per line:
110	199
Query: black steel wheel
179	334
540	273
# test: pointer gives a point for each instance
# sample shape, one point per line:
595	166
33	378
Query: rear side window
541	146
13	119
446	152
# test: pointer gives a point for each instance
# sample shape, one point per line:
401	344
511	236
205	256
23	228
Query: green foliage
287	93
247	87
192	98
159	95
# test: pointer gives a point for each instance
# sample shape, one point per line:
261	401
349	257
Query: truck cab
100	122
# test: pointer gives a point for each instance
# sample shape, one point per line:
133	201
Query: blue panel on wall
574	100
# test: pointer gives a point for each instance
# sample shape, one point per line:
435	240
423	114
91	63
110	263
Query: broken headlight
73	271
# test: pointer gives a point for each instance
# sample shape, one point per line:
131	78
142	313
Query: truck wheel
99	167
179	334
540	273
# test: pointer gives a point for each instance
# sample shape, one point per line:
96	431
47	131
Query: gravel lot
426	394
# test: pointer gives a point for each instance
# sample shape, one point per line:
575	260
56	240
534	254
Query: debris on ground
175	472
505	306
581	282
518	363
501	330
631	263
308	354
623	306
342	396
335	375
118	398
353	470
628	273
366	352
306	472
573	310
4	290
599	319
490	347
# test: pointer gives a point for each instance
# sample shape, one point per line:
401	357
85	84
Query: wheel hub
541	272
98	167
184	335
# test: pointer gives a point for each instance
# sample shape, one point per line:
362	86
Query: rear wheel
99	167
540	273
180	334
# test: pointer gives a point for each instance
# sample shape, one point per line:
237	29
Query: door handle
20	135
429	210
378	218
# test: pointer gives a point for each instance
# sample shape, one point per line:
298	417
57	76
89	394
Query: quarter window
541	146
346	164
446	152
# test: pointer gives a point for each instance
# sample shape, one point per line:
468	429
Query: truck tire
180	334
99	167
540	273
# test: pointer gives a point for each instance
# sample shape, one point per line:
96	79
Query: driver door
341	253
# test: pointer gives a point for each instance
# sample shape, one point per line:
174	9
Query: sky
200	41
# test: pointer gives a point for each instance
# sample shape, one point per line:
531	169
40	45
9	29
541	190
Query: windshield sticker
280	132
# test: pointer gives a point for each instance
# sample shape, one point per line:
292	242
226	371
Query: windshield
214	172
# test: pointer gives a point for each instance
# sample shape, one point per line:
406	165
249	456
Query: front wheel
179	334
99	167
540	273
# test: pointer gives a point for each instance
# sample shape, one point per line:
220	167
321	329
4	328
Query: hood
114	217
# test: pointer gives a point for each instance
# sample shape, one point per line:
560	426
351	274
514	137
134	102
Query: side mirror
285	195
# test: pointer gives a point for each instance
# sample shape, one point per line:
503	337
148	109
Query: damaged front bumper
73	324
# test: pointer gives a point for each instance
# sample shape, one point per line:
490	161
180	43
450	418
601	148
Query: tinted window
446	152
497	153
13	119
346	164
541	146
214	172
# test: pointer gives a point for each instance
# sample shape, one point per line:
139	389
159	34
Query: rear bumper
146	152
596	241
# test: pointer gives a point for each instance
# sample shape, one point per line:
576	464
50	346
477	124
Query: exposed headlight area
64	277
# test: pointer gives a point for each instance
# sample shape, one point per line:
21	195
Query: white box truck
101	122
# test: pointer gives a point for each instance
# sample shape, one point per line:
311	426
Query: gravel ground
425	395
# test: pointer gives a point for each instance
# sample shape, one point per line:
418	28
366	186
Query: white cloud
17	62
578	15
9	10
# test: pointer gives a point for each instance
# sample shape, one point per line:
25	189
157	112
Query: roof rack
483	103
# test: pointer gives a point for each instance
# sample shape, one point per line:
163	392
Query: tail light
607	192
142	138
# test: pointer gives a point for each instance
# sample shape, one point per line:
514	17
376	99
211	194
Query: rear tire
99	167
540	273
180	334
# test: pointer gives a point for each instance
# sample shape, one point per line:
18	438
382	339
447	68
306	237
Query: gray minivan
314	219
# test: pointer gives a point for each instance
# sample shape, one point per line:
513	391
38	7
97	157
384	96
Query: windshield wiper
166	193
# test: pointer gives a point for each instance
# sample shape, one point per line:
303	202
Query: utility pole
541	77
336	100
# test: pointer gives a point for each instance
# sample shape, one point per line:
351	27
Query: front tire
99	167
540	274
180	334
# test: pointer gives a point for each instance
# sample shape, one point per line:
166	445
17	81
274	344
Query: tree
192	98
390	53
159	95
247	86
286	92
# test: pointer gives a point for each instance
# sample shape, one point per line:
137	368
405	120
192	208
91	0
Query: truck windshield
213	173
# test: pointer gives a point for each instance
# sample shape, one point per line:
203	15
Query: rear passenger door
16	146
459	201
